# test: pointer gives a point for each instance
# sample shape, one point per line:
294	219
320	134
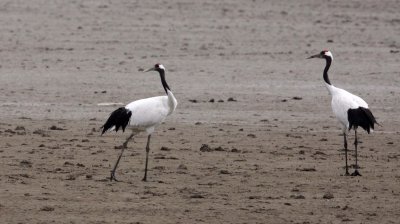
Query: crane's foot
347	173
355	173
144	179
112	177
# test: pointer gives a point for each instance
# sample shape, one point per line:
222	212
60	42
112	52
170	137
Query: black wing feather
362	117
119	118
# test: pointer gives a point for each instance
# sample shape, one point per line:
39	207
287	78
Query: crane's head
156	67
323	54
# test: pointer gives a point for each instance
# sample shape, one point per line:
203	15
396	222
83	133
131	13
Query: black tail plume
119	118
361	117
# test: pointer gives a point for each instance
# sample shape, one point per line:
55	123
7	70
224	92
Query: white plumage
349	109
150	112
342	101
142	115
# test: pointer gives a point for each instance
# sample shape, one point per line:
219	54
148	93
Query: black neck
328	64
164	83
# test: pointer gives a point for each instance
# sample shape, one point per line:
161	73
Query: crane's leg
147	158
124	146
356	173
345	153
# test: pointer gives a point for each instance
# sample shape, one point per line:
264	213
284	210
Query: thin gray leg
345	153
356	173
147	158
124	146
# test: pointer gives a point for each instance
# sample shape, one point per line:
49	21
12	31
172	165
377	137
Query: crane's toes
355	173
144	179
112	177
347	173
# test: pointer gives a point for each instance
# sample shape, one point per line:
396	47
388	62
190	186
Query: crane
142	115
349	109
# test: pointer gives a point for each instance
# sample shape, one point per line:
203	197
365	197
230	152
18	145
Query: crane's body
148	113
342	101
350	110
142	115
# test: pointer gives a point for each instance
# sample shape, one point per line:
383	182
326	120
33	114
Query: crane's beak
315	56
150	69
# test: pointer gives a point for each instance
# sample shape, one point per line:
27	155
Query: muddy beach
253	139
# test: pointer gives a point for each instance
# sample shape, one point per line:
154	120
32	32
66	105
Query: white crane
142	115
349	109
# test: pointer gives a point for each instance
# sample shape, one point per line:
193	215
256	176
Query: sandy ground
276	152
